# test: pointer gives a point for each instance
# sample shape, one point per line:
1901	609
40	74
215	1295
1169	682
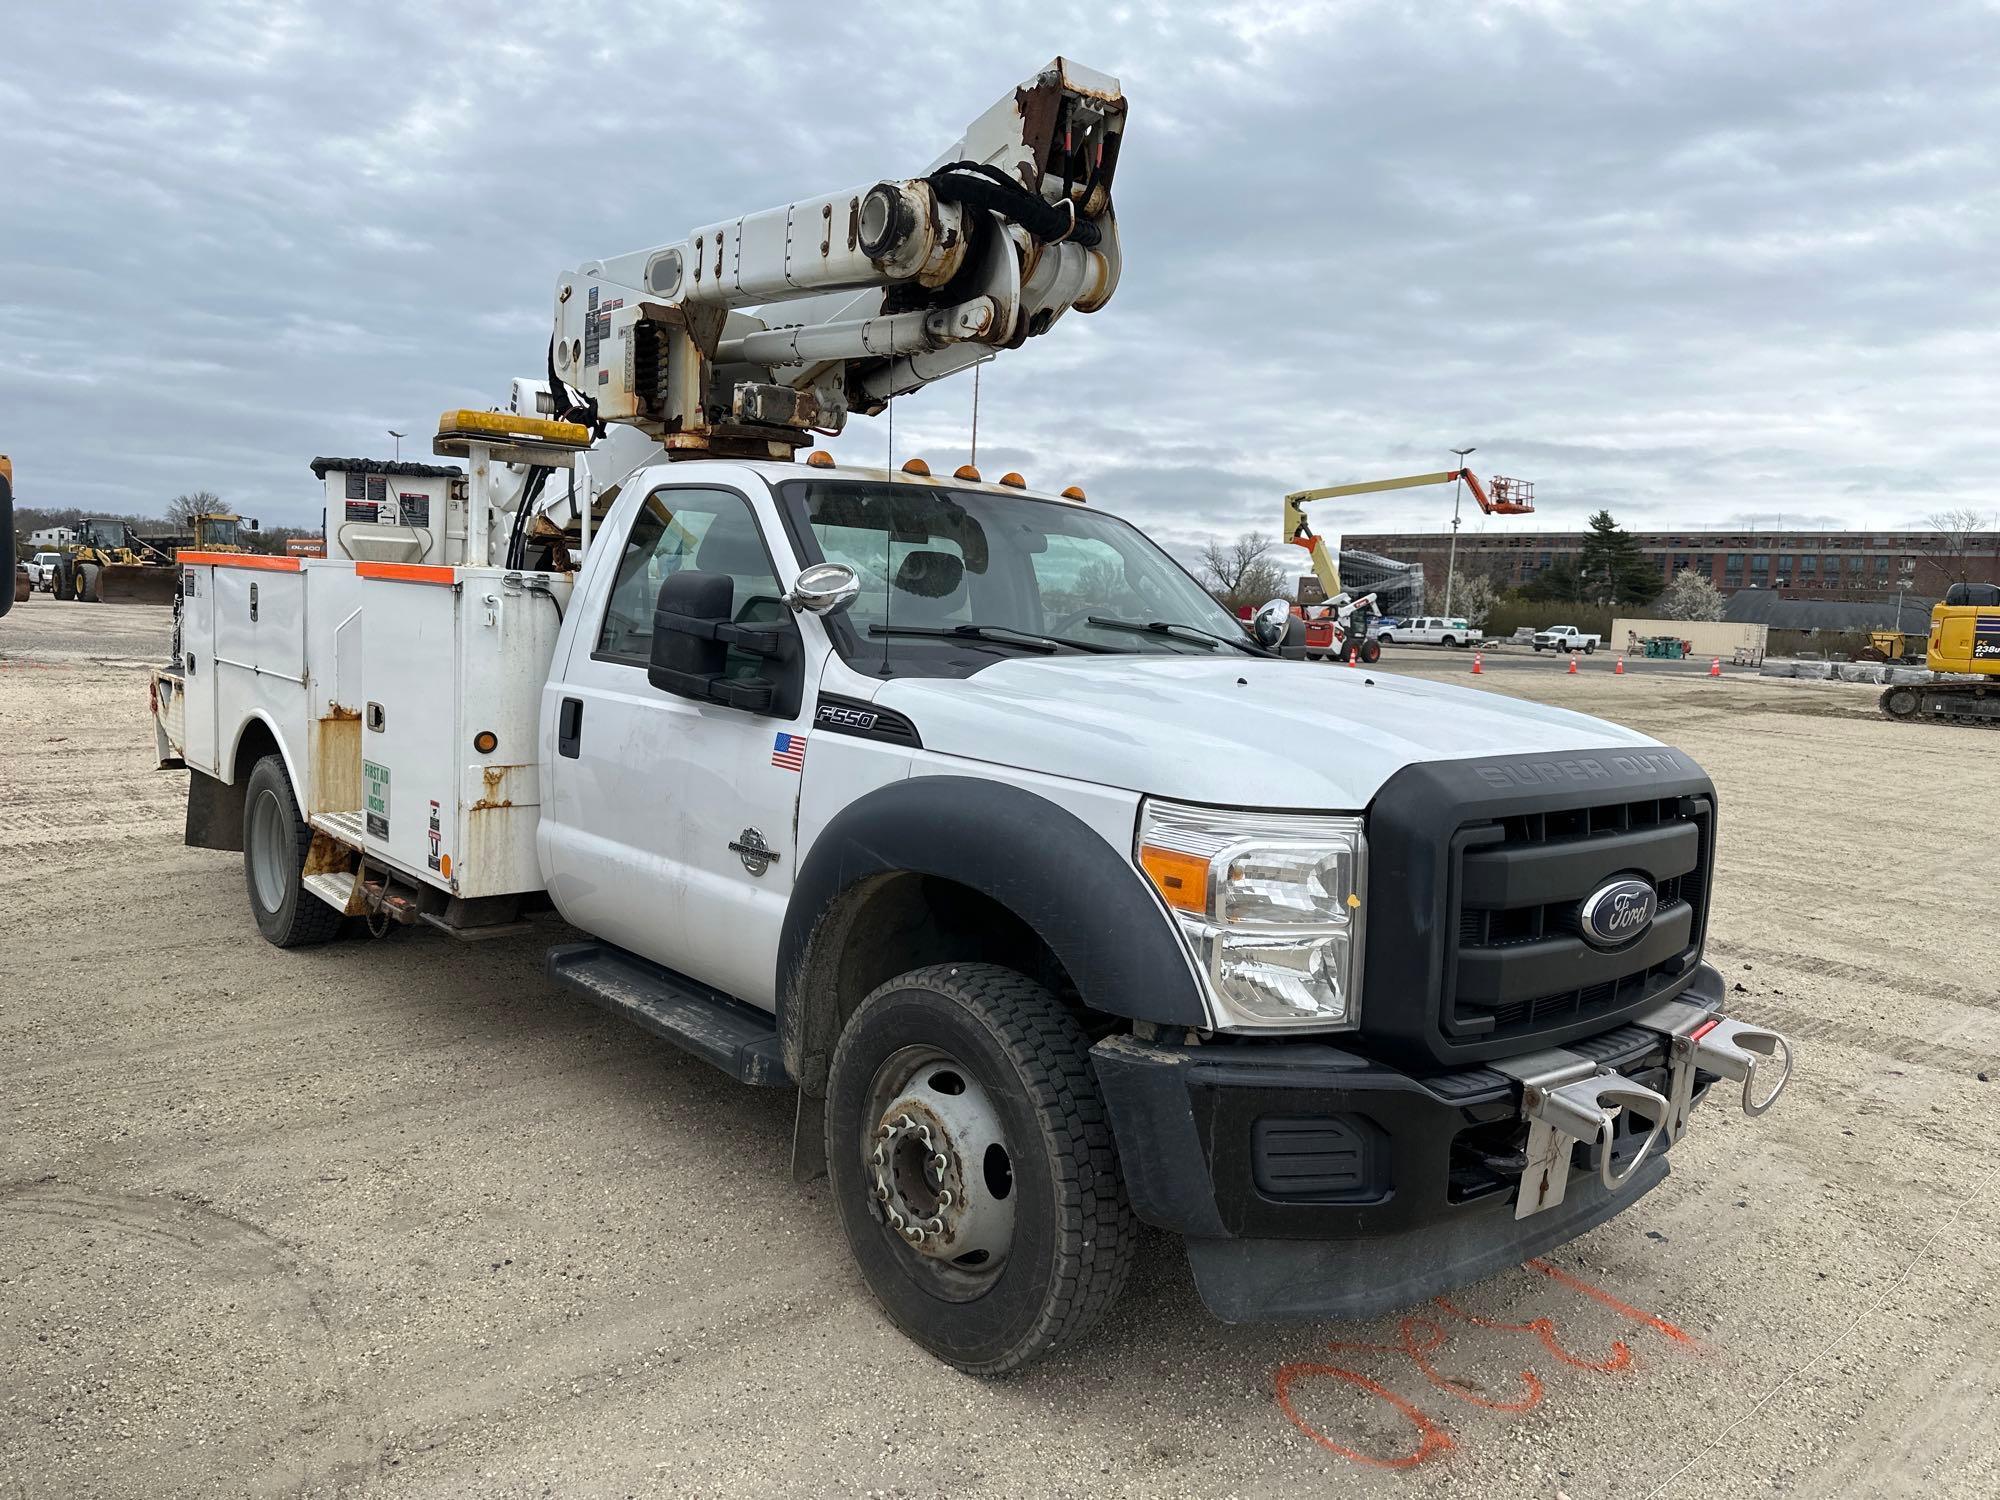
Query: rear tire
1589	648
275	842
1371	652
981	1067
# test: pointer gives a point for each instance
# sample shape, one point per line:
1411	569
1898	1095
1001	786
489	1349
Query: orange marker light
819	458
917	466
1074	492
444	867
1013	481
965	471
1181	878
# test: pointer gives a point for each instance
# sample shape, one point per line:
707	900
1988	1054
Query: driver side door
658	801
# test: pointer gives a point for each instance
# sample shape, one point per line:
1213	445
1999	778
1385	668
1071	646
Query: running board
736	1038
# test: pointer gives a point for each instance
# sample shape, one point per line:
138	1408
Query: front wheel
973	1167
275	841
1371	652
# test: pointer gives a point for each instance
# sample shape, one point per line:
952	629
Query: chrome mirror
1270	622
824	588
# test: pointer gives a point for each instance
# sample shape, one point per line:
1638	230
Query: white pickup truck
42	571
961	810
1566	638
1431	630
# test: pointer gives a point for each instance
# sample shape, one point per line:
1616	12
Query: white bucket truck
961	809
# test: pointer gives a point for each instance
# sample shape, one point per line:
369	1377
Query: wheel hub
941	1172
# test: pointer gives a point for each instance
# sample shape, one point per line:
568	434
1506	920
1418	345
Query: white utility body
1061	900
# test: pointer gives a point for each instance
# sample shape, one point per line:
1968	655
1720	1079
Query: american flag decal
788	751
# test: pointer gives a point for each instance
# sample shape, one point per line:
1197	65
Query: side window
678	529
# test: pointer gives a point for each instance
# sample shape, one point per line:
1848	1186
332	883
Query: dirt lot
397	1218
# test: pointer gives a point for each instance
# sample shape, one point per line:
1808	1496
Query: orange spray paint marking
1432	1439
1624	1309
1433	1340
1545	1330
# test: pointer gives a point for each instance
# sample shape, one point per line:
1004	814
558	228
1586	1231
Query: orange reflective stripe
406	572
240	560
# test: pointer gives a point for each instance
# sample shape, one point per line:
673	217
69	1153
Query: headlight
1270	903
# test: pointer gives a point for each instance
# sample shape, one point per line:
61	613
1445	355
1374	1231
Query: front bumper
1312	1182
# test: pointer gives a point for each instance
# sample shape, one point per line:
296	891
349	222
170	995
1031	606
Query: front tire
1022	1239
1371	652
275	841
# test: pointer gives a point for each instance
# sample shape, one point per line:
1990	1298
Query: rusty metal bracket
1568	1098
1698	1039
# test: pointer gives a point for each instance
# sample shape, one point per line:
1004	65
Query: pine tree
1612	567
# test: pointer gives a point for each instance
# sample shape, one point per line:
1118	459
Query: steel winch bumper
1309	1181
1570	1099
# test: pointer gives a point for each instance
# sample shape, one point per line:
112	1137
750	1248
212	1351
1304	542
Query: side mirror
824	588
1270	623
692	634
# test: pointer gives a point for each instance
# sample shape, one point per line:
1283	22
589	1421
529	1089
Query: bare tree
1241	572
182	509
1947	558
1691	596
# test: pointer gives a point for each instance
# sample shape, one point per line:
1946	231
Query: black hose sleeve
978	185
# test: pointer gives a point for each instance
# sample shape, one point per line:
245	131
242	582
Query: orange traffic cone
1715	667
1478	662
1619	670
1353	654
1572	664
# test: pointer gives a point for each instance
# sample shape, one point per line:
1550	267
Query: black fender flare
1041	862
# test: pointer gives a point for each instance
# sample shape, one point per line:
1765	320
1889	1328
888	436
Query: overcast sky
1700	264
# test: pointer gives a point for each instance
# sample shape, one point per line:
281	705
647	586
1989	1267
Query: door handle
569	728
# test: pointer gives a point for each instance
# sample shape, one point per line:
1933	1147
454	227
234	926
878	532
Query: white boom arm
859	296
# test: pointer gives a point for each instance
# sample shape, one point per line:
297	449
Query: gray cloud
1696	263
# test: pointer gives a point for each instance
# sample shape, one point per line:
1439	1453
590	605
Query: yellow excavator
1508	497
1964	639
112	564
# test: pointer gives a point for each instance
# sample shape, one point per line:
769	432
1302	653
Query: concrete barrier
1909	674
1862	671
1778	667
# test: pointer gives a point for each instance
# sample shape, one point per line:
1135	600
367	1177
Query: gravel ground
397	1218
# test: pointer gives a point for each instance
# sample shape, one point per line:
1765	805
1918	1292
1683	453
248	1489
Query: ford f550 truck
960	809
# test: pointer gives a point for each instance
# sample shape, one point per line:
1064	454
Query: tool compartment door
409	688
198	667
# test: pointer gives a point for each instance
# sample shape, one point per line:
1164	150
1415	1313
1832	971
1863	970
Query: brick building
1804	564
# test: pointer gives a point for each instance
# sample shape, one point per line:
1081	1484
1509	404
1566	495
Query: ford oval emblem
1618	911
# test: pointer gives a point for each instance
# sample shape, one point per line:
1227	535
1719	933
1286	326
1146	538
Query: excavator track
1973	703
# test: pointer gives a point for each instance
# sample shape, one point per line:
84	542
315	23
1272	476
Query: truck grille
1519	965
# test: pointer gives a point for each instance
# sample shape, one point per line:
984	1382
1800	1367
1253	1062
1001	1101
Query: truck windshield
934	558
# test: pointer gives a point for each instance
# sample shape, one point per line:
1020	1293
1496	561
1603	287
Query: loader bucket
132	583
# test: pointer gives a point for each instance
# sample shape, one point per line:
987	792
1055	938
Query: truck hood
1235	731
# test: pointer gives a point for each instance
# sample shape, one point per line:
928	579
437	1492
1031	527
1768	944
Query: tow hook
1726	1048
1568	1098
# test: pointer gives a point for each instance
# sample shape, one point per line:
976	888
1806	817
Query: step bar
740	1040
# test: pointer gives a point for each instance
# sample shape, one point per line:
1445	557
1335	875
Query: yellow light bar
512	427
1181	878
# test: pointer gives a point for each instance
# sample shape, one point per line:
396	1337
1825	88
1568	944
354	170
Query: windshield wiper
1172	629
999	635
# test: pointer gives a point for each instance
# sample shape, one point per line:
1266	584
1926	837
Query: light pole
398	436
1451	558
